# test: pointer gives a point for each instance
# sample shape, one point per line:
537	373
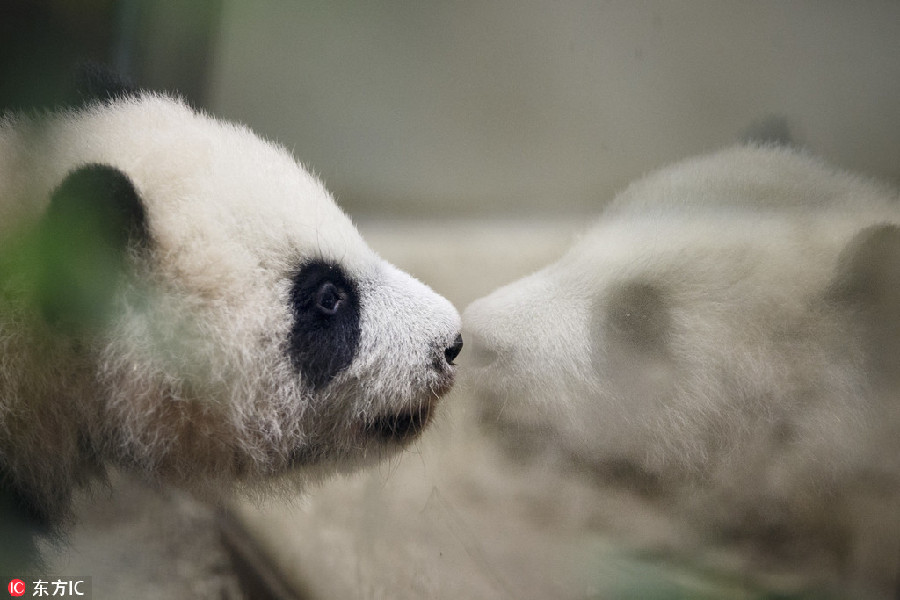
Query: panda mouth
400	427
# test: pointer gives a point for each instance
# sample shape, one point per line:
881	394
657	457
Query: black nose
454	350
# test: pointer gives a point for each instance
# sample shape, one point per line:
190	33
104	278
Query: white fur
760	412
192	384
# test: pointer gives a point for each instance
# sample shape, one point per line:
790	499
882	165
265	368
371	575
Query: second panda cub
726	339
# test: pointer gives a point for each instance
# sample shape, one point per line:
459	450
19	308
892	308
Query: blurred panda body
181	298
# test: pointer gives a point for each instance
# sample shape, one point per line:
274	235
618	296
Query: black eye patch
638	313
324	338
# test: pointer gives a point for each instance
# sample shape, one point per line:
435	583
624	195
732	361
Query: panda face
725	340
675	337
247	330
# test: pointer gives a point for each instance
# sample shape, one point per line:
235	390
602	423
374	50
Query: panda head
693	324
221	317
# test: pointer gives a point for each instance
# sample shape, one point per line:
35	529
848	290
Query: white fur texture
690	344
190	382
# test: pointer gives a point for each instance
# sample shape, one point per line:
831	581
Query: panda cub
181	298
725	340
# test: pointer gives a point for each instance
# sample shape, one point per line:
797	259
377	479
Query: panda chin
374	440
400	428
407	418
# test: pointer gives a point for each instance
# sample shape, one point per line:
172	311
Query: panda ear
867	284
95	218
96	82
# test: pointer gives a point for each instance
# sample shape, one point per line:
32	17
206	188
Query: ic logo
16	587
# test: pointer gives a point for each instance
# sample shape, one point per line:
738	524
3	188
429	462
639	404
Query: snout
419	351
480	353
485	343
403	426
516	324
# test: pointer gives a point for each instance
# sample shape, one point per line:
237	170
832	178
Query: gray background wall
473	107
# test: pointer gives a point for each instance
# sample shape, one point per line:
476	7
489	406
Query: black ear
96	82
94	218
772	130
867	284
